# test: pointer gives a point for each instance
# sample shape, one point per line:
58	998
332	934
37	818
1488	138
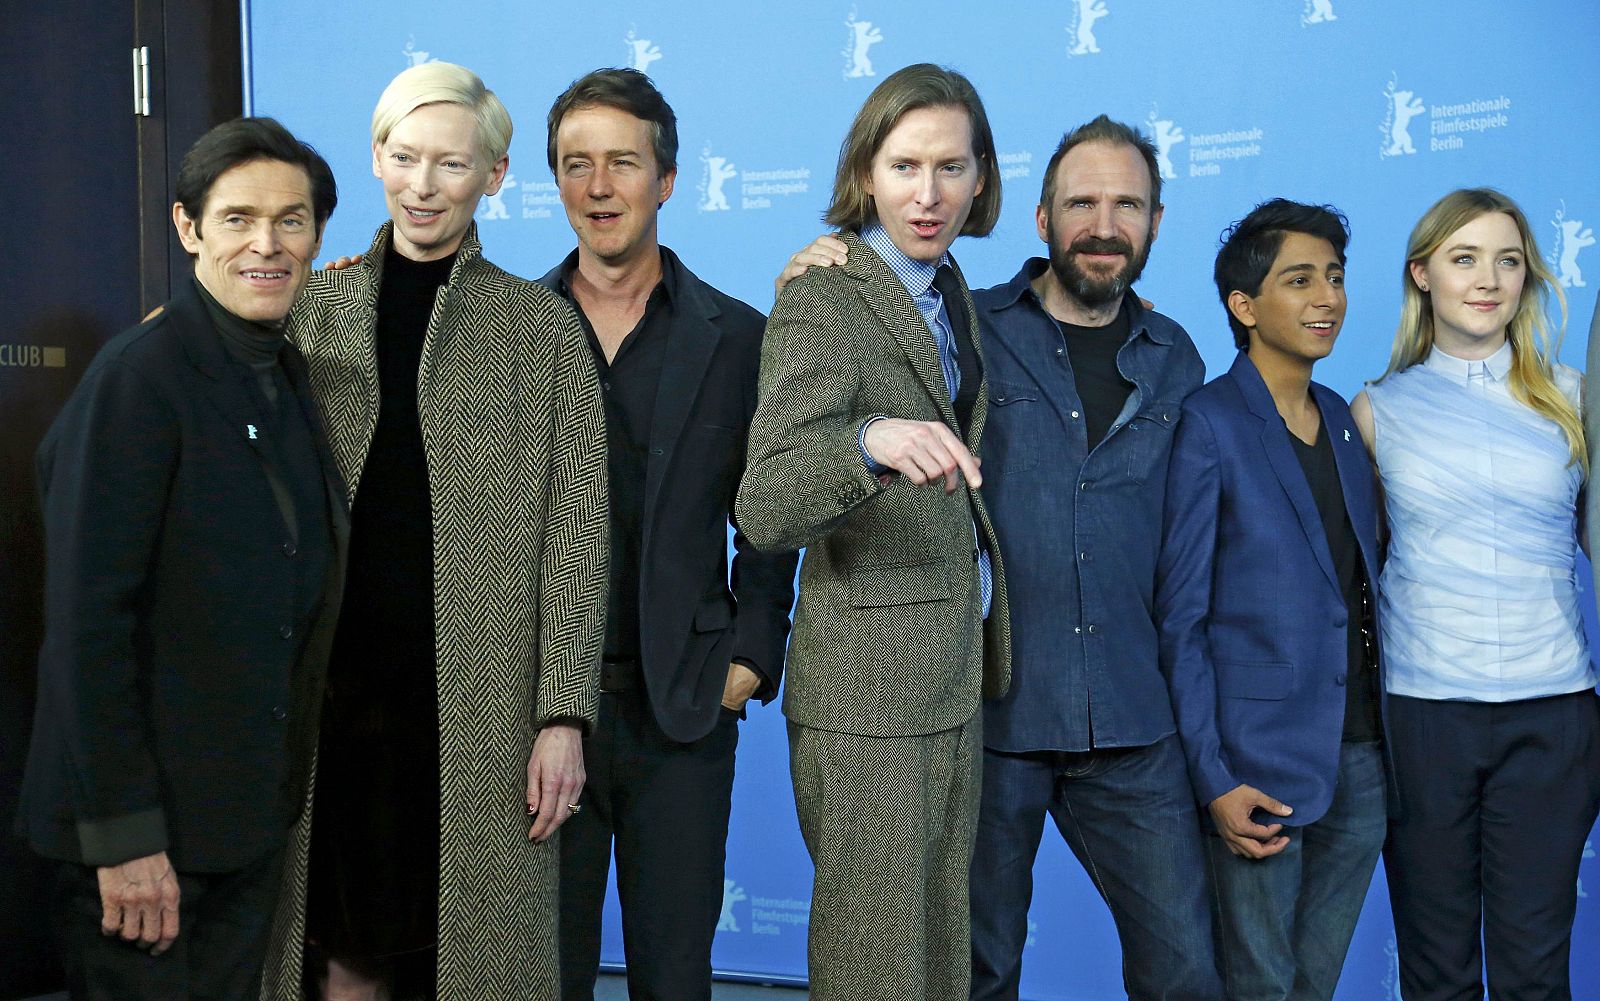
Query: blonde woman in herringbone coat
464	413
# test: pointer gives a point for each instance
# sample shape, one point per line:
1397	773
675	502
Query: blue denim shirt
1079	533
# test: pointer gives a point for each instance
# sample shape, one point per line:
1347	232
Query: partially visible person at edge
864	449
1493	717
1088	381
195	526
1264	600
463	410
684	651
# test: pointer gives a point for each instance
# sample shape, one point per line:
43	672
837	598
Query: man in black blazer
678	362
194	528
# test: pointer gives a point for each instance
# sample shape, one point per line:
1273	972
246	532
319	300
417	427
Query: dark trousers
1129	816
223	922
666	805
1285	921
1496	800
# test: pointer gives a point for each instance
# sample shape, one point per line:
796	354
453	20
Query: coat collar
1003	297
226	388
694	333
202	342
695	336
889	300
357	287
1286	465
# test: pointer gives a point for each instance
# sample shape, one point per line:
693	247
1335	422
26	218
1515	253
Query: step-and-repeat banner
1376	107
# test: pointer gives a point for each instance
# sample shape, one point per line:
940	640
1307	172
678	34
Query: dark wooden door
88	250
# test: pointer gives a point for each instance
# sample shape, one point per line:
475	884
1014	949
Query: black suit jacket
692	623
180	654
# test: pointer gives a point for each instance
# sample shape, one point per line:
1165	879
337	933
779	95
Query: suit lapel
333	484
1280	456
693	341
227	392
1355	473
335	329
892	304
980	406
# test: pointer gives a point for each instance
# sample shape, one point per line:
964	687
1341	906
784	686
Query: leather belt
620	676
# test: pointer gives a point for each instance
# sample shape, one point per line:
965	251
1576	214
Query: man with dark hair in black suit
194	526
678	362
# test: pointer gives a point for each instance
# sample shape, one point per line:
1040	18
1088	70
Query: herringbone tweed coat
514	435
888	639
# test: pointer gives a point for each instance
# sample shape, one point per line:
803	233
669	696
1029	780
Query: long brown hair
920	85
1533	345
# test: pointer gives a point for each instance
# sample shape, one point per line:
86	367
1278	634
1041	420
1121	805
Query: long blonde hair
1529	332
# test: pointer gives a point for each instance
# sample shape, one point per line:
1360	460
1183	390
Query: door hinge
141	81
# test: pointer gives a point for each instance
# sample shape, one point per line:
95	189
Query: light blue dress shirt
1479	596
917	277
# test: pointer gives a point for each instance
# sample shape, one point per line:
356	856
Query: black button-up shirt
629	383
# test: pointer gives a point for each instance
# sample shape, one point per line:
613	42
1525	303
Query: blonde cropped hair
444	83
1533	345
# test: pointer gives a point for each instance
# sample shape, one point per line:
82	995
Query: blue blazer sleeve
1185	574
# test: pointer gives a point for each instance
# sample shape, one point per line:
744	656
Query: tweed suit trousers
890	824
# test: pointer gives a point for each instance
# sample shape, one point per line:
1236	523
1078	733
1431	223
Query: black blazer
173	622
691	623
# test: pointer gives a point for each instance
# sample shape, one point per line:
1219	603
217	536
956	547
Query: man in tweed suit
1087	382
863	450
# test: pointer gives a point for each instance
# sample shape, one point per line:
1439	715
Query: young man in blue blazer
1264	596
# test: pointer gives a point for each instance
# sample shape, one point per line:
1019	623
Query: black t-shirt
1361	680
1101	388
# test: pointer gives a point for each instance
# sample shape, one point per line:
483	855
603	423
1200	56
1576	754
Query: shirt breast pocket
1149	434
1012	437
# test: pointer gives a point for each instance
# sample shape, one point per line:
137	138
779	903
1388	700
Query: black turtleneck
253	345
380	725
387	618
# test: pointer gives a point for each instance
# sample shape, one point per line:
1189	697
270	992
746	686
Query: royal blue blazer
1251	618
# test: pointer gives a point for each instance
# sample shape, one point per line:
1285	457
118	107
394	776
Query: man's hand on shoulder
922	451
825	251
139	901
347	261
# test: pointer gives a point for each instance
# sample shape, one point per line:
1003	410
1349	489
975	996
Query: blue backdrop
1376	107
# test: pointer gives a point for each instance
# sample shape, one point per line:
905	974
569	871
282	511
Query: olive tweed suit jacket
889	635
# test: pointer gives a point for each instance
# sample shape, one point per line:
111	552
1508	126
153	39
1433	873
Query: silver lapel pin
251	428
1346	434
